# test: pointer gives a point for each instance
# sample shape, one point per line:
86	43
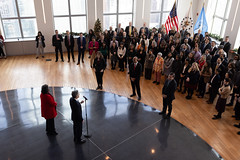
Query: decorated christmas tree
97	28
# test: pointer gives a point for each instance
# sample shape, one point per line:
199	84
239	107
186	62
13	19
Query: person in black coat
226	44
69	43
129	30
76	117
57	43
168	91
99	65
176	68
81	41
214	84
184	71
40	44
135	70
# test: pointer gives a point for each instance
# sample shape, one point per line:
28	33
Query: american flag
172	19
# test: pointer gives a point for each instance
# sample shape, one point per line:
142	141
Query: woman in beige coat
224	92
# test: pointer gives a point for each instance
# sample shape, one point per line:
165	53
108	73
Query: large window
159	12
18	18
117	11
218	19
70	15
237	42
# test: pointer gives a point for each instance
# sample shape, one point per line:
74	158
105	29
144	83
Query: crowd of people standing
198	63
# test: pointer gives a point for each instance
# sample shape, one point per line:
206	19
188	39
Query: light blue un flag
201	23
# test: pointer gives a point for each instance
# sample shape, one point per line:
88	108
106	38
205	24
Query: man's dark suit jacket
216	82
204	48
127	30
83	42
56	42
213	50
71	41
169	89
226	47
76	110
135	73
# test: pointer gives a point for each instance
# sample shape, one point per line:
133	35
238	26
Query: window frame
19	18
117	14
224	18
161	12
70	16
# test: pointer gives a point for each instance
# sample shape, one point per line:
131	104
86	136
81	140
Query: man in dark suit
168	90
135	70
226	44
76	117
57	43
206	45
81	41
213	48
129	30
199	34
145	28
69	43
214	84
118	29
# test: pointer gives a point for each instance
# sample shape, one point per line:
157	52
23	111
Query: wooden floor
196	114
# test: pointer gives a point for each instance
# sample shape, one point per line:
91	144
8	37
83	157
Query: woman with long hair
121	54
40	44
205	76
192	78
48	109
99	65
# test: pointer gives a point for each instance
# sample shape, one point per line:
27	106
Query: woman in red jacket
48	109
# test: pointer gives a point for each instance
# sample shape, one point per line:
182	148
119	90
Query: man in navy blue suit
81	41
168	91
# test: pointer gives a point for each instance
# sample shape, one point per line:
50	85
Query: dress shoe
188	97
139	98
62	60
132	95
73	60
97	88
233	116
42	56
167	116
101	87
154	81
158	83
52	133
82	61
68	61
80	142
216	117
229	104
78	63
161	113
179	90
236	125
89	57
238	133
36	57
56	60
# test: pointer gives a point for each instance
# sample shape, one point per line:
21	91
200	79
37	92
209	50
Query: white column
233	22
45	21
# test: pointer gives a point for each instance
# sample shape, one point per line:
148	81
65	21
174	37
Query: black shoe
68	60
233	116
56	60
154	81
73	60
101	87
167	116
236	125
97	88
161	113
62	60
229	104
132	95
89	57
238	133
78	63
188	97
91	66
42	56
52	133
36	57
216	117
179	90
158	83
139	98
82	61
